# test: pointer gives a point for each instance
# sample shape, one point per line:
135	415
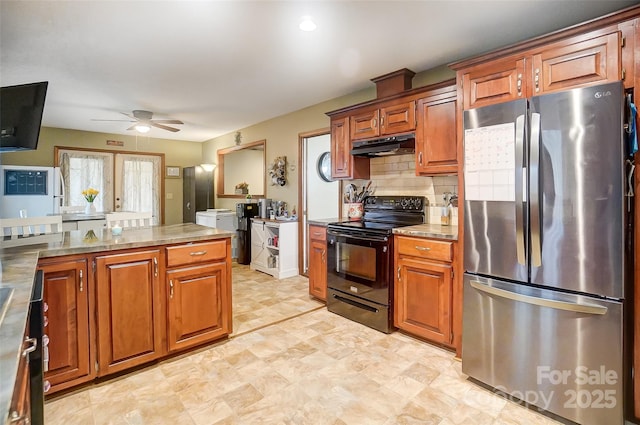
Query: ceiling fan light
142	128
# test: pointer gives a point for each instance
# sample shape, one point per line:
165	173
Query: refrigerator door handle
543	302
520	180
534	185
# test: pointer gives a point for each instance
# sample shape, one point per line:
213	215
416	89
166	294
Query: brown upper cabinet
386	121
587	59
343	164
436	147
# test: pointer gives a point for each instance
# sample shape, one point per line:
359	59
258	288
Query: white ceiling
220	66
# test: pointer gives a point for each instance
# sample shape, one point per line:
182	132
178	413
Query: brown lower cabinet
423	290
196	294
67	324
318	262
129	310
137	317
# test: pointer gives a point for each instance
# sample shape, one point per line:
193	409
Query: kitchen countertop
324	221
268	220
429	231
19	260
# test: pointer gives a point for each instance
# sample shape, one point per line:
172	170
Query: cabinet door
197	305
343	164
130	322
340	147
436	142
258	243
423	299
365	125
495	82
318	269
565	66
398	118
67	323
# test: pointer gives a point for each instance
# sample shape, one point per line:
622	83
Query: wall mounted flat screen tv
21	110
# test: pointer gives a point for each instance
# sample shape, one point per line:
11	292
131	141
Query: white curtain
140	184
83	170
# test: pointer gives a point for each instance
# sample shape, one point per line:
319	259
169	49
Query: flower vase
89	208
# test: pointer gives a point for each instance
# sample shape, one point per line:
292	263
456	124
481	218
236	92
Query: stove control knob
418	203
404	202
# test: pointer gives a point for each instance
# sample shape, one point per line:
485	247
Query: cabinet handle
33	343
423	248
519	85
373	123
317	233
155	266
420	158
193	254
398	273
537	80
323	252
81	281
171	288
382	121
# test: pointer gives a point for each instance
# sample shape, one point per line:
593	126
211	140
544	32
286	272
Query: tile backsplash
396	175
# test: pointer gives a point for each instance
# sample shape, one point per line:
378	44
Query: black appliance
245	212
197	192
360	253
396	145
21	109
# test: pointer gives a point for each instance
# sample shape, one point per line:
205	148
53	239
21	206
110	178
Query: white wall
322	196
246	165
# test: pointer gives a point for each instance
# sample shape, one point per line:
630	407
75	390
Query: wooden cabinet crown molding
539	42
406	96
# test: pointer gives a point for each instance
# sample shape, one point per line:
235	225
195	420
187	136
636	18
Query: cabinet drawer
425	248
318	233
196	253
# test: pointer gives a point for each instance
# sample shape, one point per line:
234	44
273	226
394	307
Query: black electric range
359	259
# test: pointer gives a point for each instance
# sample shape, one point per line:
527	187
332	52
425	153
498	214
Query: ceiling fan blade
129	116
167	121
133	127
164	127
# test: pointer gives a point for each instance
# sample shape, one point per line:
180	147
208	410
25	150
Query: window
126	181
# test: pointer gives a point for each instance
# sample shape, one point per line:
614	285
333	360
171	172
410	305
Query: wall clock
324	166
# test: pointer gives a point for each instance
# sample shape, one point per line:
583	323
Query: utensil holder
355	210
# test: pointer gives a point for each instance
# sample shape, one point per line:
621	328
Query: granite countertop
268	220
324	221
19	260
429	231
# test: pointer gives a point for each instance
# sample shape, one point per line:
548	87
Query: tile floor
314	368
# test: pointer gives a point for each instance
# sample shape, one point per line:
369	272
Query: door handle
542	302
534	192
32	345
520	187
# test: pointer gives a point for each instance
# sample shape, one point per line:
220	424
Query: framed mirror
241	171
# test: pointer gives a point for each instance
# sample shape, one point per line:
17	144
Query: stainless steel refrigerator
544	252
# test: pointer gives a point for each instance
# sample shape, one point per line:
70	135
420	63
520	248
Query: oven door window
359	267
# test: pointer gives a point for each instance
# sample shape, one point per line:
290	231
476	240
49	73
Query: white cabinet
274	247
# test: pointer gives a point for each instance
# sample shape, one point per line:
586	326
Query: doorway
318	198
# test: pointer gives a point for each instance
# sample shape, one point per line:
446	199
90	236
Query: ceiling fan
143	121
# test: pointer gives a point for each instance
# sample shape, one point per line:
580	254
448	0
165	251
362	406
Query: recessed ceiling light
307	24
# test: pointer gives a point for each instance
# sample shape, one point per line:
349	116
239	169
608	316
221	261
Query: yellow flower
90	194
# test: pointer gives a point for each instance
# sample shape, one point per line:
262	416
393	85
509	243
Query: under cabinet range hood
397	145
